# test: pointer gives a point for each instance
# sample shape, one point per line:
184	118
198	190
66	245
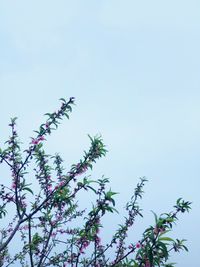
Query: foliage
44	216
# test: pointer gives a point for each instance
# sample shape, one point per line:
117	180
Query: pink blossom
156	230
34	141
138	245
162	230
25	227
53	234
49	187
85	244
61	183
147	264
13	185
54	222
41	138
24	204
130	246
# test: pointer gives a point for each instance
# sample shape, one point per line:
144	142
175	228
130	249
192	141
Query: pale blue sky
133	67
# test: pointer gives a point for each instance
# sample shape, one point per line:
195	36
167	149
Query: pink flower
34	142
54	222
56	187
162	230
147	264
13	185
47	125
53	234
61	183
49	187
85	244
24	204
41	138
25	227
138	245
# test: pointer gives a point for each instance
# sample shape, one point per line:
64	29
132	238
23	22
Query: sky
133	67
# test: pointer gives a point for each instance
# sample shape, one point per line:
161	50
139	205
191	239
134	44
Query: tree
44	211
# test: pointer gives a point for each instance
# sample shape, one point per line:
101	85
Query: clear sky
133	67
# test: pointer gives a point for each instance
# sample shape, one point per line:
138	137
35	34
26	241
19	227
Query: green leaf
155	216
150	256
27	189
66	115
62	99
163	247
170	264
185	248
109	195
88	186
2	212
165	238
69	108
165	232
48	114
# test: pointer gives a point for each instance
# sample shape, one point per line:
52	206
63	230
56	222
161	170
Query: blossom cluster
43	199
